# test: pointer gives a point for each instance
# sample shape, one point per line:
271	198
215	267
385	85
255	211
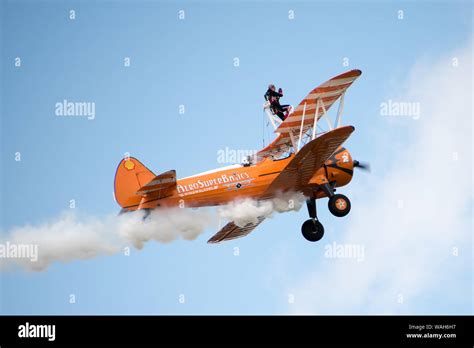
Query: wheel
312	230
339	205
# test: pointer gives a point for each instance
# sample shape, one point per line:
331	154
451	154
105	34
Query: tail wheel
339	205
312	230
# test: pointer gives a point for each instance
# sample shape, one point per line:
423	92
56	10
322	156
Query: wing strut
325	114
315	120
301	127
340	109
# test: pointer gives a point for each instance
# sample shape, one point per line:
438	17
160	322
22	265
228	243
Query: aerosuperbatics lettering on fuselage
231	181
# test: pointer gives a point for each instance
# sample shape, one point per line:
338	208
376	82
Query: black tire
312	230
339	205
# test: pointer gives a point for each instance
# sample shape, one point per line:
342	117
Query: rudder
130	176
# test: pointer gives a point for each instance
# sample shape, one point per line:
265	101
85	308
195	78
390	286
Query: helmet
271	86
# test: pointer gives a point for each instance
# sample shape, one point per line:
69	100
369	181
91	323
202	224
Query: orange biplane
300	159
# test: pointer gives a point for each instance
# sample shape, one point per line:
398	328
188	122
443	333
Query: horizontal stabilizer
159	183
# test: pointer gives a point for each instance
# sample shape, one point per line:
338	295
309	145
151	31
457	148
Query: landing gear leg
328	190
312	229
311	204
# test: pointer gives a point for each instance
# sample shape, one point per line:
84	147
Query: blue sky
190	62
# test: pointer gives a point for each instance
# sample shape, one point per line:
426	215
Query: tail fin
130	176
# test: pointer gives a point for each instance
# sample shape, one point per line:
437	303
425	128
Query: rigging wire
265	128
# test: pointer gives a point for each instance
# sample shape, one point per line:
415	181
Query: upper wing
328	93
232	231
280	145
159	184
309	159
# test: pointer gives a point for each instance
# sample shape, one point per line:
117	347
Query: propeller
362	165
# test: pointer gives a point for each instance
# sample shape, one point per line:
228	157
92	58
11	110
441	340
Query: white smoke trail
64	239
72	237
248	210
164	225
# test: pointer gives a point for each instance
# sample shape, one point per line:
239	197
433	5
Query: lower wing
309	159
232	231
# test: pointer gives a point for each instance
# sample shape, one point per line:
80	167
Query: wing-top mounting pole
266	107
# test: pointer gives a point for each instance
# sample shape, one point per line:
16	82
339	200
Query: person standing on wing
274	98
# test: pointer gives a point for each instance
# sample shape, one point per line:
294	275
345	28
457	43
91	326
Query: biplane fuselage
299	159
231	183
